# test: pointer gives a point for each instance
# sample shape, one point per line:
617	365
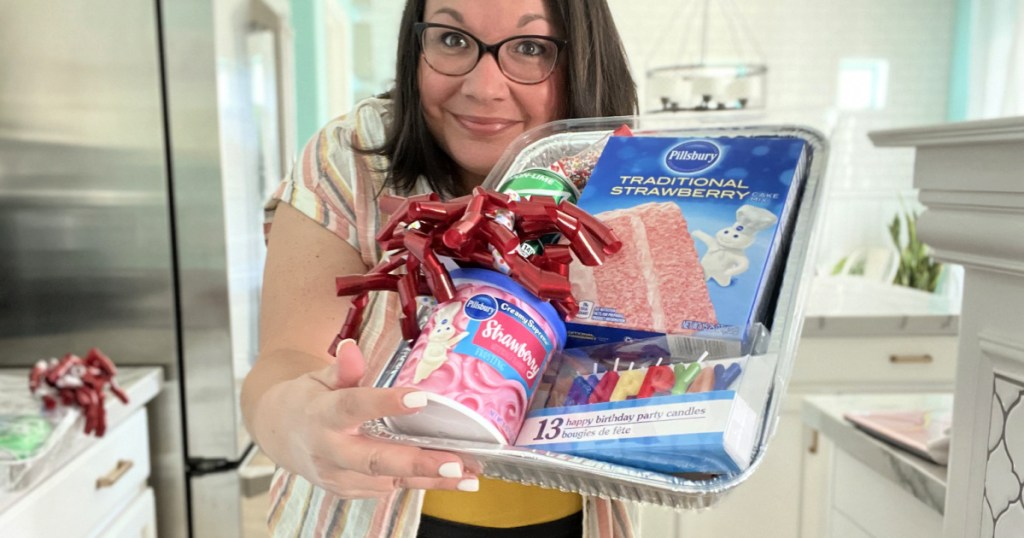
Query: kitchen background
133	162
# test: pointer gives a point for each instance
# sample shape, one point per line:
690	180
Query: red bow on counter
74	381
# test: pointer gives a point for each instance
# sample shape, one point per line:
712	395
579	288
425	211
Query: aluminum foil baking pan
548	143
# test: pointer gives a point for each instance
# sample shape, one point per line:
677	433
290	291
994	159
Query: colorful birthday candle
628	385
658	379
686	373
704	382
603	391
582	387
725	376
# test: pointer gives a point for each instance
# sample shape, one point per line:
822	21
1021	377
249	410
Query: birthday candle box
704	223
686	417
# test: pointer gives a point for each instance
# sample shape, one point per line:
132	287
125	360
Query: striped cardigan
337	187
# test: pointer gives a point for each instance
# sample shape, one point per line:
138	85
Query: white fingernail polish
469	484
452	469
415	400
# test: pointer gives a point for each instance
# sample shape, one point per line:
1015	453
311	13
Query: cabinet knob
114	475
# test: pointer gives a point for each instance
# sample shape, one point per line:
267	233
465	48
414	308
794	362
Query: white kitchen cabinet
97	487
884	363
844	527
138	520
873	488
969	176
89	491
874	505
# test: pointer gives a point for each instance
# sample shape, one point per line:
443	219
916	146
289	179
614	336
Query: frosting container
480	357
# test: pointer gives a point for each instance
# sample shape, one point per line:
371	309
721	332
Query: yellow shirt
501	504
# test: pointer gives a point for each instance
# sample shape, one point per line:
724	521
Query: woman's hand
306	416
325	444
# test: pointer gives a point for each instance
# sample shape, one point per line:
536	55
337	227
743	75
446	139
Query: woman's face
475	116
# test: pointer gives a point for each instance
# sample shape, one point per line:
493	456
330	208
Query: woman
457	104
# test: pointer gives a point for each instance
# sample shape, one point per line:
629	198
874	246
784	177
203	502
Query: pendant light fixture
719	66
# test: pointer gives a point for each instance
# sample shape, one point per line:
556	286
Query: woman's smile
483	125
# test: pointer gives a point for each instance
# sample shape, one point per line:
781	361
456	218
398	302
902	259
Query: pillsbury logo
692	156
481	307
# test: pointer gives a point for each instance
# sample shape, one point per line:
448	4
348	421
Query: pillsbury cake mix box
703	222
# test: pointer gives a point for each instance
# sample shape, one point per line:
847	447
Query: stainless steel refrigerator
138	139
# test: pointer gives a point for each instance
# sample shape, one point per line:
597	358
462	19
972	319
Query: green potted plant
917	269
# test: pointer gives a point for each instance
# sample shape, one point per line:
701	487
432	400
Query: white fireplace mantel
971	180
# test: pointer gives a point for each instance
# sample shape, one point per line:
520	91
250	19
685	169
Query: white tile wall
802	42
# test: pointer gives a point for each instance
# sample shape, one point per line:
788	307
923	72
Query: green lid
541	182
22	436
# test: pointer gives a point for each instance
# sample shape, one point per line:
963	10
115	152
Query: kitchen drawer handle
910	359
114	475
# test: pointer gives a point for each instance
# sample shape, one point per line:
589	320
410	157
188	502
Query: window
863	84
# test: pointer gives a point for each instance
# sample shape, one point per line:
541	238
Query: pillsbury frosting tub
480	356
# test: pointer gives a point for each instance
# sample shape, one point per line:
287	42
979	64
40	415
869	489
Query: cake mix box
703	222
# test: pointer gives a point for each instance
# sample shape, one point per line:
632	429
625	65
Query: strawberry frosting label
507	338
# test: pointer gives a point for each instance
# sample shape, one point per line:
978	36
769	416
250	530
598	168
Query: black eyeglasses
526	59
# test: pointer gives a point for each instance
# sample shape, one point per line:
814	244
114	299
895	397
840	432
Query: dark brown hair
598	83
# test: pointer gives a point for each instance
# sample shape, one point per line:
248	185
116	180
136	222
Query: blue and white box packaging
706	432
704	223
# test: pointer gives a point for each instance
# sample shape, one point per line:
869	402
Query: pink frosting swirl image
434	366
479	387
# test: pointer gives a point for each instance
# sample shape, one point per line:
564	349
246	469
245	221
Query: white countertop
141	384
898	325
921	478
850	306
